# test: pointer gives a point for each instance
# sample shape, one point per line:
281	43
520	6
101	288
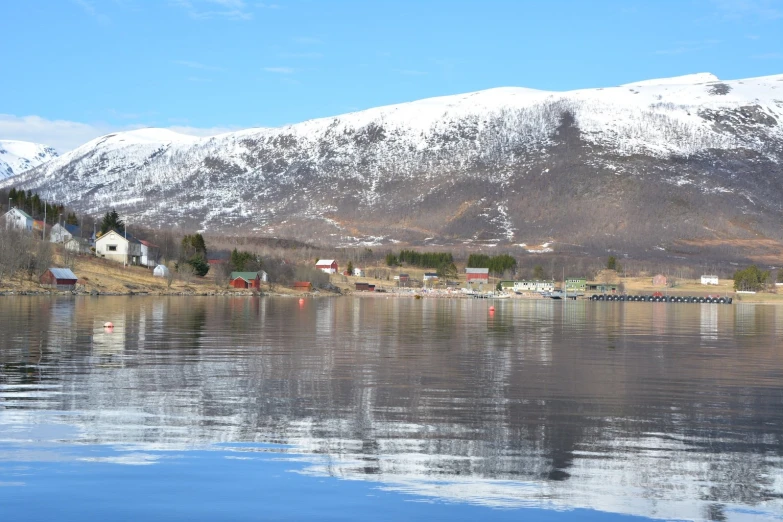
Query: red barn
59	278
245	280
477	275
327	265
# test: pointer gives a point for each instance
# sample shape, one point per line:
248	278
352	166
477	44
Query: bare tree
186	272
13	251
68	257
169	278
222	274
44	257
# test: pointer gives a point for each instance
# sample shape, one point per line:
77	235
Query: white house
358	272
78	245
709	280
63	233
117	247
264	276
534	286
149	253
430	276
18	219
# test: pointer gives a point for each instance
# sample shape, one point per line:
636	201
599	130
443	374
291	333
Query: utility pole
43	234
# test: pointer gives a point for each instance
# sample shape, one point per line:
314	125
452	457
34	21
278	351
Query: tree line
496	264
419	259
31	202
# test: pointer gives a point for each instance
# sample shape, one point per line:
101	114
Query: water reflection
660	410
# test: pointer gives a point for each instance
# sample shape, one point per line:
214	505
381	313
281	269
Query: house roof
74	230
22	212
147	243
326	262
477	270
63	273
130	238
247	276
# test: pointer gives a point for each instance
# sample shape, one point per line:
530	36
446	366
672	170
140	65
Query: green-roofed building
245	279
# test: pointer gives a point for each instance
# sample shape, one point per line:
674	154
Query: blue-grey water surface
388	409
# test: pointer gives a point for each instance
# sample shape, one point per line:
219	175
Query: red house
59	278
245	280
477	275
303	285
327	265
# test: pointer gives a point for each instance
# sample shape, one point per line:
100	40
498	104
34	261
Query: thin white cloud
209	9
301	55
410	72
90	10
688	47
769	56
279	70
765	10
196	65
66	135
308	40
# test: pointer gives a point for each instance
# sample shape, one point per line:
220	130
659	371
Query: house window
111	248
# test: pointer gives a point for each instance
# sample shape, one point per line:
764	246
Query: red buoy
108	324
491	308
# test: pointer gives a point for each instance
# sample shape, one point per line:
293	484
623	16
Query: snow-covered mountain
19	156
652	162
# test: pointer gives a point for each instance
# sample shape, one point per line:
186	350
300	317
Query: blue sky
76	69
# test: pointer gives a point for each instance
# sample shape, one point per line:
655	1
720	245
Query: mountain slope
19	156
642	164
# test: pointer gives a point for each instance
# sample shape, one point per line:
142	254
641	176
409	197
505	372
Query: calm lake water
388	409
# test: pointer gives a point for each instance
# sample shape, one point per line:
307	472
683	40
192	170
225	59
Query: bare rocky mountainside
672	165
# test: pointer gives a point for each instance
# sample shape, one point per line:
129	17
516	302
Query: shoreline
772	299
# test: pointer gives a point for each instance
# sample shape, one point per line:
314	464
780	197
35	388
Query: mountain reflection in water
654	409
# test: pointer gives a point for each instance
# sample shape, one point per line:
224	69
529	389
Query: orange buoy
491	308
108	324
301	301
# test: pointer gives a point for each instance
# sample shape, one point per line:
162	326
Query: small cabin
59	278
305	286
161	271
659	280
245	280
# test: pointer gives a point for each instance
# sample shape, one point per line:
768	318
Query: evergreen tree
349	268
111	221
751	278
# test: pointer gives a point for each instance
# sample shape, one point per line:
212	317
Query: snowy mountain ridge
460	167
19	156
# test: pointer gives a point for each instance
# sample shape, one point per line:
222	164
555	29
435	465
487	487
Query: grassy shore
110	278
